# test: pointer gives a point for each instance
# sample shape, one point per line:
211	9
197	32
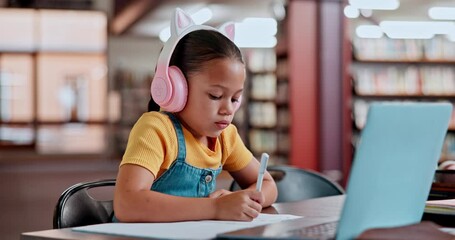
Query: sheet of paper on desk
448	230
179	230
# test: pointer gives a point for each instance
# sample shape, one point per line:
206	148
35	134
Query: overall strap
181	155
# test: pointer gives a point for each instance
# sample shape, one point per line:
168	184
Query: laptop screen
393	166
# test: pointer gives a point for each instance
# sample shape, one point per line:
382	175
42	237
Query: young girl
169	169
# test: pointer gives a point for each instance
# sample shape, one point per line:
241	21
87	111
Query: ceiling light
278	9
248	42
165	34
257	26
250	33
442	13
256	33
415	30
375	4
451	37
202	15
369	31
366	12
351	12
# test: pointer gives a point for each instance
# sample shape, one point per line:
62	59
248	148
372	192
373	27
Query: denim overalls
182	179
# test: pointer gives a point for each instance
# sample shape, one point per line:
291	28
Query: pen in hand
262	169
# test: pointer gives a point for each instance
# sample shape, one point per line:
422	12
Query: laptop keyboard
319	230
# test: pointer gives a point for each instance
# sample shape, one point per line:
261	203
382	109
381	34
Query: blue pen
262	169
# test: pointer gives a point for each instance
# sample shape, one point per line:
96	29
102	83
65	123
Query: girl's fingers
251	213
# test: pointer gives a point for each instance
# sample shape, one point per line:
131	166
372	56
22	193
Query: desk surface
314	208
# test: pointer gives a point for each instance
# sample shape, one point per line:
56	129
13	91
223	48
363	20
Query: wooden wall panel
303	84
331	85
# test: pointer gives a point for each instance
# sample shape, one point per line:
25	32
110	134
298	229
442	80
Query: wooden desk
317	209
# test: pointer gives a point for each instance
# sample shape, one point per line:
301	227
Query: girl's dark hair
201	46
197	48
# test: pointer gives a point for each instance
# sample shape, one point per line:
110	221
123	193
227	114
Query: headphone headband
171	43
165	88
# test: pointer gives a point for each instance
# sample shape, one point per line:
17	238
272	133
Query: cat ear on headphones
228	30
180	21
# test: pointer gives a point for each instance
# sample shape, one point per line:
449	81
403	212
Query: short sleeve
150	142
236	155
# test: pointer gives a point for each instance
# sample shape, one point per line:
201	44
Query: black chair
76	206
296	184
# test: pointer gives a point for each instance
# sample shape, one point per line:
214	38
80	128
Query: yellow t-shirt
153	145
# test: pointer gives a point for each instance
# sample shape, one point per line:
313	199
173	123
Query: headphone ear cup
161	90
180	90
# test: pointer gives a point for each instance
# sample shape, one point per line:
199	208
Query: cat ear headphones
169	87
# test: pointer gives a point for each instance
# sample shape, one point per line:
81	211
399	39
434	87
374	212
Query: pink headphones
169	87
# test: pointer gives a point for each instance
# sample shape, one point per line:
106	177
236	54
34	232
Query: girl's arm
247	177
135	202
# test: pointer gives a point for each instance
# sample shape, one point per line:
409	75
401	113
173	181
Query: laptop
391	174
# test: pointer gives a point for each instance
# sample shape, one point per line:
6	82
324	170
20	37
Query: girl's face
213	94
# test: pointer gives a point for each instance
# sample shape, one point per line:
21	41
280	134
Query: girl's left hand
219	193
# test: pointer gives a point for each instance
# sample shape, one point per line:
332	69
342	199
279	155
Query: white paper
448	230
182	230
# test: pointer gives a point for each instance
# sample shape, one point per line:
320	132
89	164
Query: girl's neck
209	142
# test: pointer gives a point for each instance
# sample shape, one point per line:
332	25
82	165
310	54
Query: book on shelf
263	141
263	87
261	60
404	80
446	206
262	114
386	49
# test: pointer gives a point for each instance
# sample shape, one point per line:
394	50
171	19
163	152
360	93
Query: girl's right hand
242	205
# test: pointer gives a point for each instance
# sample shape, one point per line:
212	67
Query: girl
169	169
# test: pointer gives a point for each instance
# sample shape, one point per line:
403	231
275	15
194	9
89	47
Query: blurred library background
75	76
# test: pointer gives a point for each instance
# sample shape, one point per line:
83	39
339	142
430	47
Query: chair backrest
296	184
76	207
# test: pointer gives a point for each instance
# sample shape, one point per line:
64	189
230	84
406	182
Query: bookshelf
132	87
258	118
264	118
402	70
282	103
310	88
282	94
